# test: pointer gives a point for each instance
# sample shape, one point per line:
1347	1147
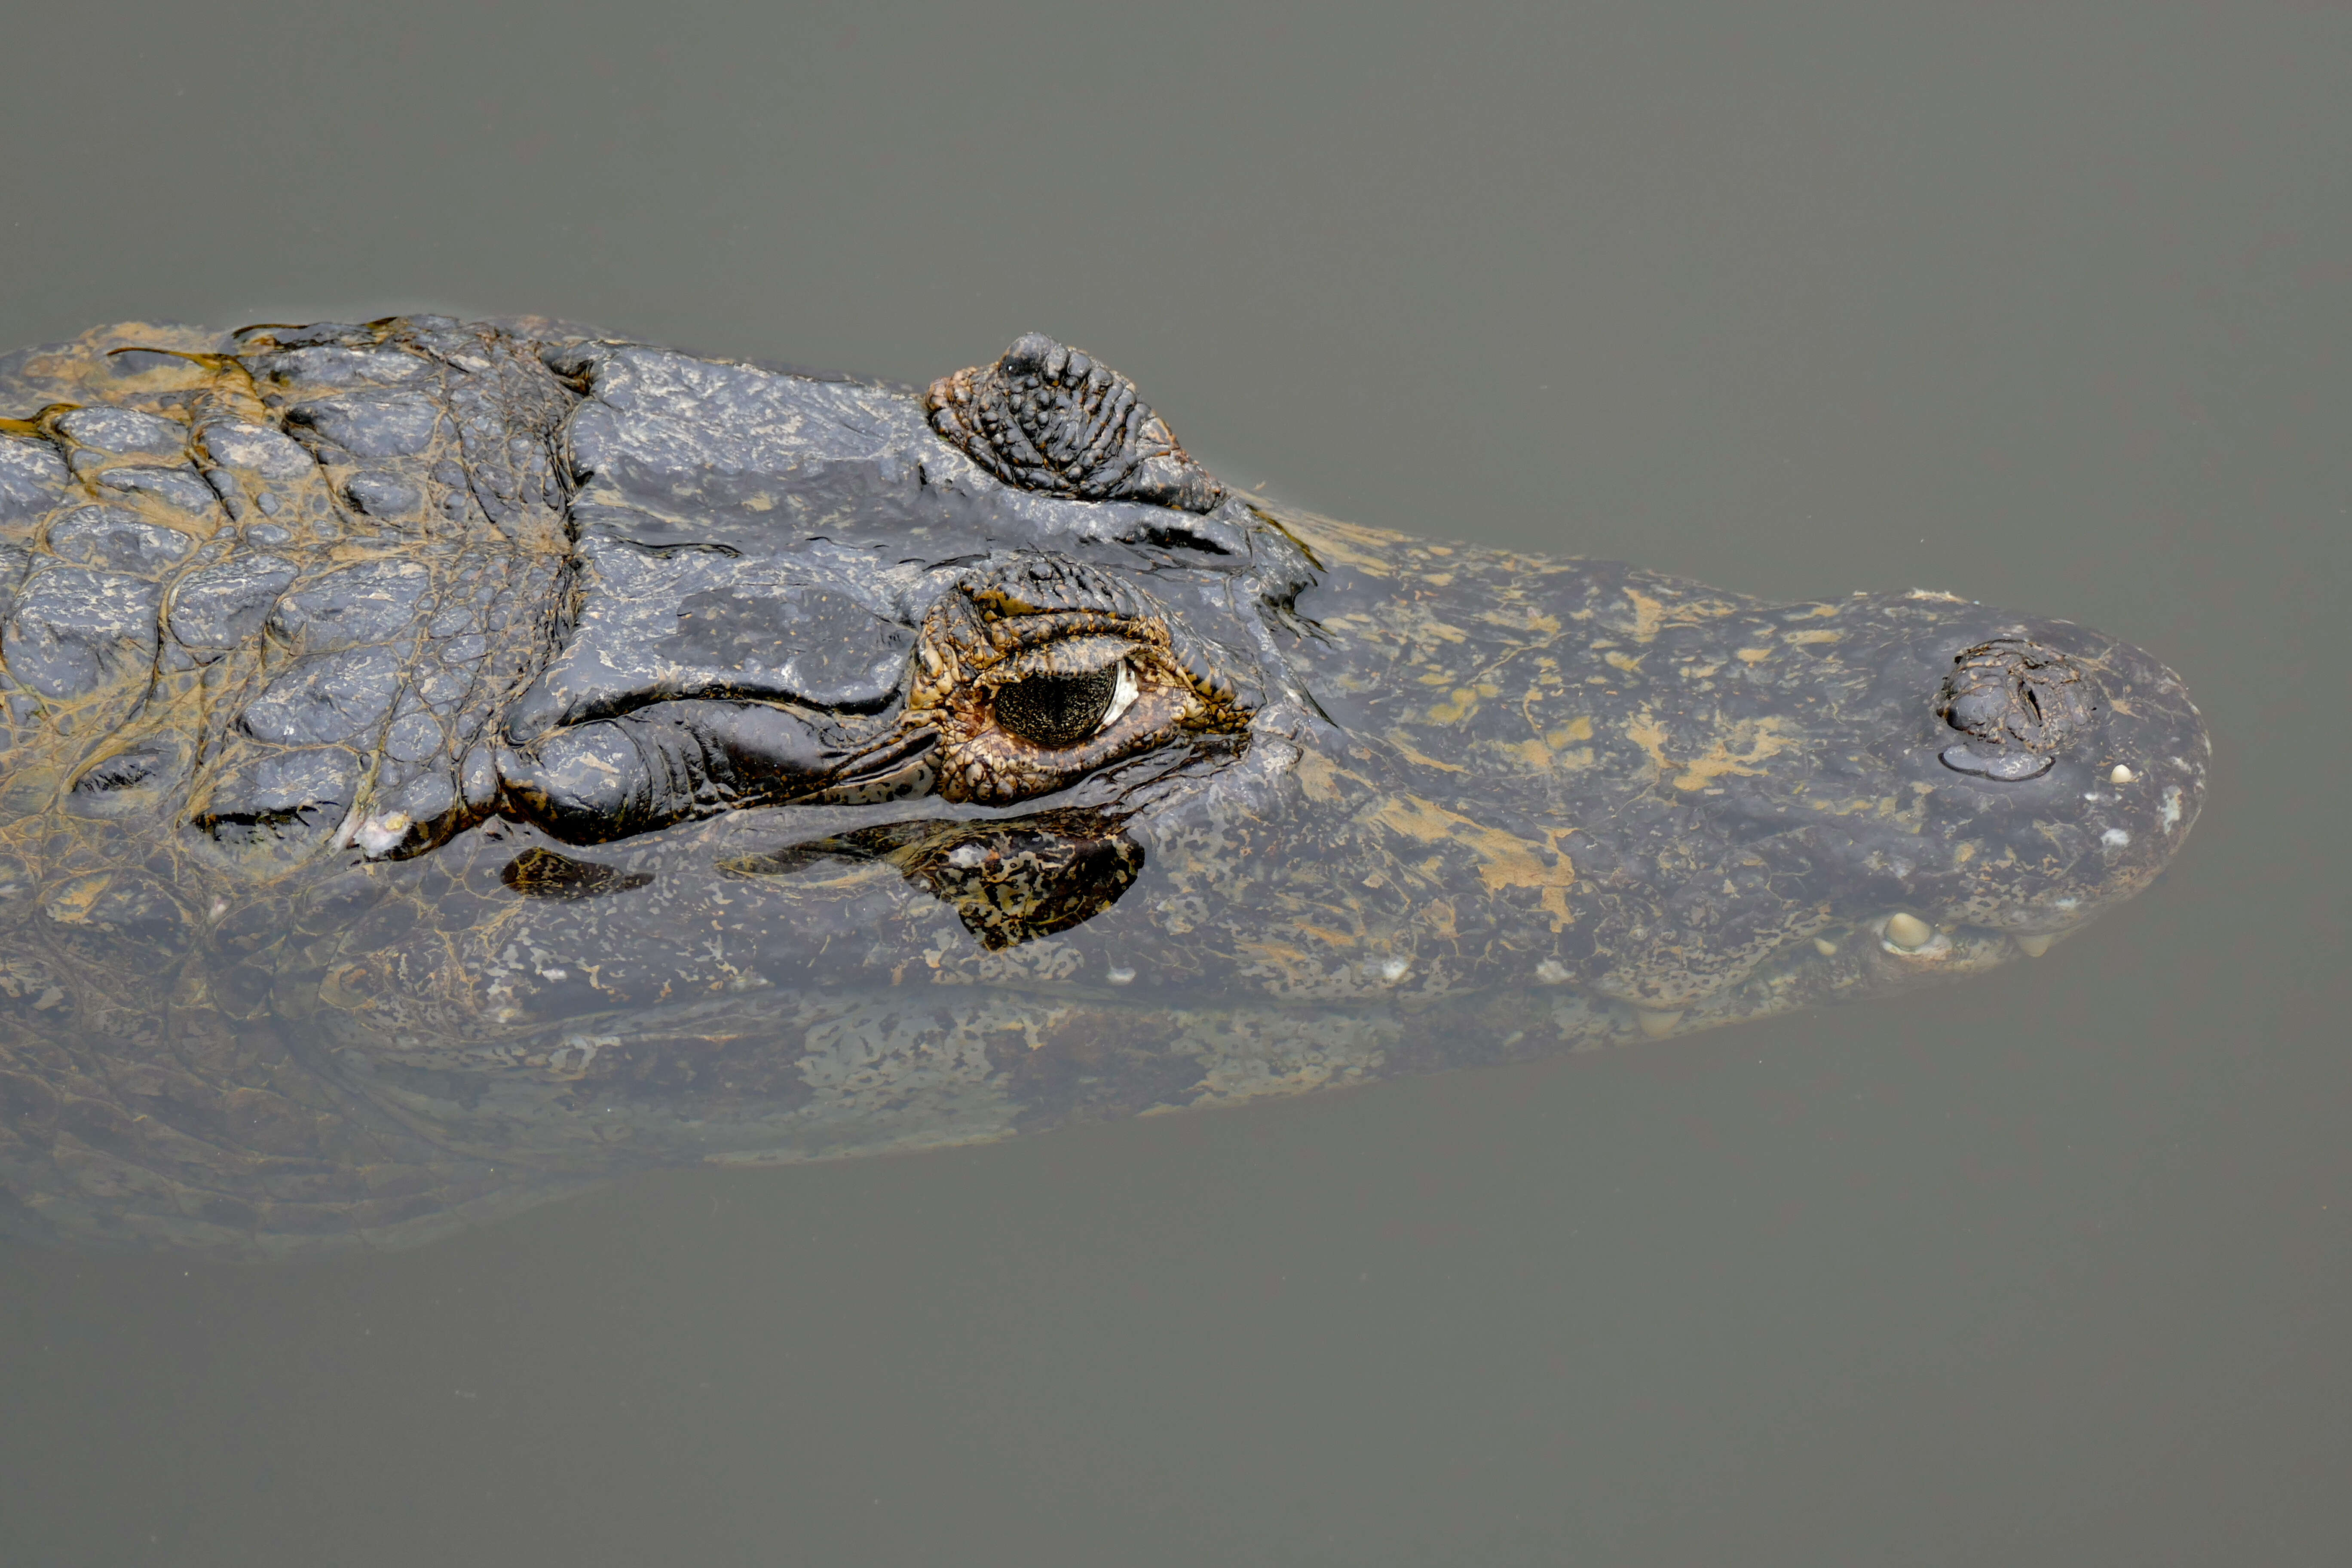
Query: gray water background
2046	306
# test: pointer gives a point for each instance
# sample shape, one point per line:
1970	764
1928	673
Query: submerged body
446	763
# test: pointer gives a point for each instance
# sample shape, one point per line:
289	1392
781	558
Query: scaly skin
526	758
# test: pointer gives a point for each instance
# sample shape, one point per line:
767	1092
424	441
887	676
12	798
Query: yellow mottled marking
1319	777
70	905
1750	740
1812	637
1368	550
1755	655
1459	706
1396	738
1503	859
1519	619
1630	663
1647	614
1535	754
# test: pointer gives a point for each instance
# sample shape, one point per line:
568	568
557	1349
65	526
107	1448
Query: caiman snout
1759	802
2055	771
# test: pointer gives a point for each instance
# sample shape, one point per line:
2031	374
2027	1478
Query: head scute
1048	418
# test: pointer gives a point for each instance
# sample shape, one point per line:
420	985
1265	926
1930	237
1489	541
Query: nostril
2019	704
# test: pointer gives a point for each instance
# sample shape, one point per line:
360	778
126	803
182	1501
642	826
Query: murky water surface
2043	1266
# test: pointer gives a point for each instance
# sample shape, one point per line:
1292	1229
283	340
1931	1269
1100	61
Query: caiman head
904	767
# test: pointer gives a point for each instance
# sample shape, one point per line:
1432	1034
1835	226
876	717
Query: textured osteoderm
279	594
1048	418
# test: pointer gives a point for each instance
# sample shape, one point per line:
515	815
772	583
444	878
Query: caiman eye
1039	672
1061	710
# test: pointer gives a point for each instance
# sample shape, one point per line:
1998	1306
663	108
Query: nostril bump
2019	704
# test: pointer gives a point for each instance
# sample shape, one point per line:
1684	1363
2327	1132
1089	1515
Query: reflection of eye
1057	710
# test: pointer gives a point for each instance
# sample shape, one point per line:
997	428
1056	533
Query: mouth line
1852	960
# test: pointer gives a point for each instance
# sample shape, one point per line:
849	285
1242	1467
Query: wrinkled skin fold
449	763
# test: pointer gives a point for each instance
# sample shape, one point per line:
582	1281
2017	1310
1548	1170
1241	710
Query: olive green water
2044	308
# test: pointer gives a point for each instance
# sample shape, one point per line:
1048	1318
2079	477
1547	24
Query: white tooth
2034	946
1825	947
1657	1026
1908	930
2121	775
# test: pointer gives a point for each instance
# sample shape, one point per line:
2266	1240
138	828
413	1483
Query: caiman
448	764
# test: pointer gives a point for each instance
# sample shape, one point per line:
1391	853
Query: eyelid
1063	655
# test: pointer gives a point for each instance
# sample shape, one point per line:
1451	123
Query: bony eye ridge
1060	708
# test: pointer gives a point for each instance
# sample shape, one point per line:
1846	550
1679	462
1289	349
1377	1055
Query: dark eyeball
1056	710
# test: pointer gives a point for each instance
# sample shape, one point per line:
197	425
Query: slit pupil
1056	709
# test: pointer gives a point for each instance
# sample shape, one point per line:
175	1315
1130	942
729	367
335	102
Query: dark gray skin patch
178	487
32	479
300	795
325	698
126	431
335	366
218	608
233	444
826	648
73	630
352	605
392	426
118	540
383	495
654	625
